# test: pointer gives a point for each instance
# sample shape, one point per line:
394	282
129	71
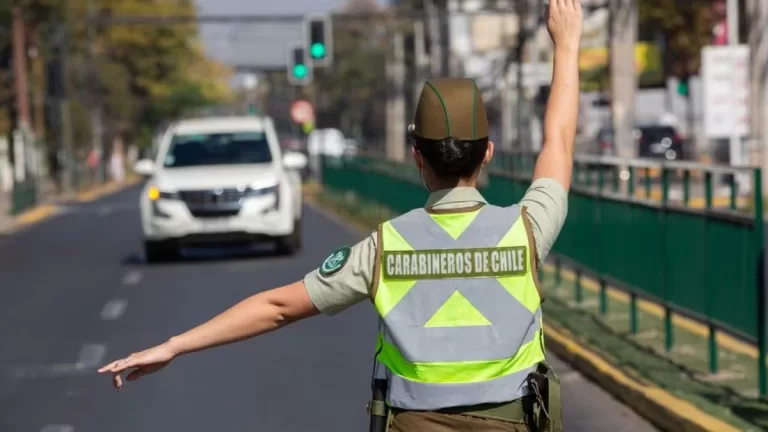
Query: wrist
174	345
567	49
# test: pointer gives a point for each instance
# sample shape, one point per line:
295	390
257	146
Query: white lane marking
113	309
58	428
104	211
91	355
132	277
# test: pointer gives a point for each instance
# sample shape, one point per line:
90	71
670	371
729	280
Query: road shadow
198	255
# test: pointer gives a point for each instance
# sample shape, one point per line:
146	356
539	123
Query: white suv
220	180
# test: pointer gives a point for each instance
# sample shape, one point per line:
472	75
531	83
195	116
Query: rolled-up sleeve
546	202
348	286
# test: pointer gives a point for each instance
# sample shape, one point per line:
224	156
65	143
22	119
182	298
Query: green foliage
142	75
687	26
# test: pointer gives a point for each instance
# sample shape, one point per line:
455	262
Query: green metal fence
657	230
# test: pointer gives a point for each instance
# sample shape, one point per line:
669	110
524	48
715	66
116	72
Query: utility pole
623	36
60	94
445	37
20	69
523	18
97	128
421	61
396	120
436	12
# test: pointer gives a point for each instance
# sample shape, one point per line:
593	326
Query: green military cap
450	107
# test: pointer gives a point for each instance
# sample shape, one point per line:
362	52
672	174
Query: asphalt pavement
74	293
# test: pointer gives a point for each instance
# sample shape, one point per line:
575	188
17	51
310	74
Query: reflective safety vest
460	315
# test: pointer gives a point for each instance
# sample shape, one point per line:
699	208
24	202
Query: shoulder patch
335	261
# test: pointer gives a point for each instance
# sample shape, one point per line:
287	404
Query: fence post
603	295
711	331
669	331
761	295
633	312
579	288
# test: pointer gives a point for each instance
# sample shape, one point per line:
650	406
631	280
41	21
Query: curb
656	405
46	211
105	189
31	217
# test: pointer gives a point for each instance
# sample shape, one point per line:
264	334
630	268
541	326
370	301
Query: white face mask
424	182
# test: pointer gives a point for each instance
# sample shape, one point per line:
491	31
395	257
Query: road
75	293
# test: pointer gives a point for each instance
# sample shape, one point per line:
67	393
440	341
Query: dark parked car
652	141
659	142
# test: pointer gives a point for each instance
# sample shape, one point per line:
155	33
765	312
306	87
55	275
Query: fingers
117	381
120	365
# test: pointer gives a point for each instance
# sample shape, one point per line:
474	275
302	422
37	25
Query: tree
138	73
354	89
686	26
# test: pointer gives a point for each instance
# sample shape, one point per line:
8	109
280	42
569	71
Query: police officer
460	344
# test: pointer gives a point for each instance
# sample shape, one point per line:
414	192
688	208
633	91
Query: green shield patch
335	261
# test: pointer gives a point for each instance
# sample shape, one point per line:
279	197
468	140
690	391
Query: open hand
564	22
143	363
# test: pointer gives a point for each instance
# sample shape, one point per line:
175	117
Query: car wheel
290	244
160	251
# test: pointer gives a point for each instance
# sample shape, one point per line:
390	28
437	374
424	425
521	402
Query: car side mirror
144	167
294	161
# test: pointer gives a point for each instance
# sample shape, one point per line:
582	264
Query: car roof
221	124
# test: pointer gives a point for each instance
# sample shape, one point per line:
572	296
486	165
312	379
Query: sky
262	45
266	7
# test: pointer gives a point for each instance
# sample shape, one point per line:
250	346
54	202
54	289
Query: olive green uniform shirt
546	202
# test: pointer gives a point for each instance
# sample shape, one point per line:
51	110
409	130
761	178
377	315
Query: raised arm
564	21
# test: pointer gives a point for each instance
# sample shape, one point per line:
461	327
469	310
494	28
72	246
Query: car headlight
254	192
154	194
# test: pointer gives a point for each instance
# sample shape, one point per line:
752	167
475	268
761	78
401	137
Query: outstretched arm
258	314
330	291
564	21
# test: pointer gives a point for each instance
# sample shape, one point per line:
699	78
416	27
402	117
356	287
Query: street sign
302	112
725	88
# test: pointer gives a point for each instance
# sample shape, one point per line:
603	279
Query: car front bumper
259	219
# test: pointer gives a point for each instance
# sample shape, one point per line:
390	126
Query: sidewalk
49	199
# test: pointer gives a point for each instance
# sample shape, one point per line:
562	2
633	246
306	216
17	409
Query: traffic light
682	86
252	109
299	70
319	39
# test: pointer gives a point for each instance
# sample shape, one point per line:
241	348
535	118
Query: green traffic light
682	88
300	71
317	50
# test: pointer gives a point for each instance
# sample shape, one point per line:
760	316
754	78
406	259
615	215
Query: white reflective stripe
411	395
487	229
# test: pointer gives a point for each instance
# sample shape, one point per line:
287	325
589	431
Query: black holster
544	408
377	407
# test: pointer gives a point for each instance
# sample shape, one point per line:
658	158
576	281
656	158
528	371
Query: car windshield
218	149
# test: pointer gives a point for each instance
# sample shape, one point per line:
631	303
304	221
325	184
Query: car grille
222	202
